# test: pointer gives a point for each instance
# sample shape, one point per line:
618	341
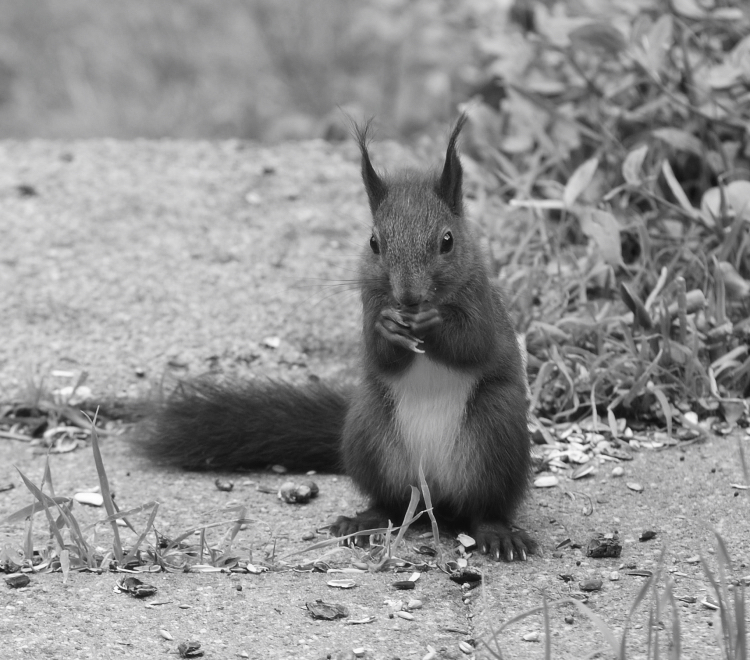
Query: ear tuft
450	186
374	185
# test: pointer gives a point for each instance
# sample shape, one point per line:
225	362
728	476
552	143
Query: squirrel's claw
394	329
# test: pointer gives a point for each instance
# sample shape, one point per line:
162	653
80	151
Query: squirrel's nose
408	291
409	298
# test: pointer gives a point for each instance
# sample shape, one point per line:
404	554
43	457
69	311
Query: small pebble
590	585
618	471
532	637
224	485
18	581
405	615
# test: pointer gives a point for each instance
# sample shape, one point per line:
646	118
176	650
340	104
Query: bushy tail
205	425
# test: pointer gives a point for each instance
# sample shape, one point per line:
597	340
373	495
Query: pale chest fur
430	405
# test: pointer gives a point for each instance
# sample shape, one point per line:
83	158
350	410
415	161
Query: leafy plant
620	164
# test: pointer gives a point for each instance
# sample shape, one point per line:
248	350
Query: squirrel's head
420	245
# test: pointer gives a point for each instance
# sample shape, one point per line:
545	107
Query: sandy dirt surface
142	262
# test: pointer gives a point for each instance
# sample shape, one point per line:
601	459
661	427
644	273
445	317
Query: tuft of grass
71	546
731	625
381	544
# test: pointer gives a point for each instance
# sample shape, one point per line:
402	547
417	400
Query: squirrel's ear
449	188
374	185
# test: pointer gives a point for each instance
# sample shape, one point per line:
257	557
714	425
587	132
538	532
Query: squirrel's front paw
394	328
422	321
370	520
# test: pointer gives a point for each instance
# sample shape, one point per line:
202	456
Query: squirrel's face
418	250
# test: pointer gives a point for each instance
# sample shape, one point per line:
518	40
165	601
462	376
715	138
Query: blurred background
259	69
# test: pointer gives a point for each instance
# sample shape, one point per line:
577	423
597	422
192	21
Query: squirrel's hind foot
371	519
501	542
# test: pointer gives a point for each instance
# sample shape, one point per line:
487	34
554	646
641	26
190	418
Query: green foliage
620	164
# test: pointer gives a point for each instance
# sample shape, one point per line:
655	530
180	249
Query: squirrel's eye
374	245
446	245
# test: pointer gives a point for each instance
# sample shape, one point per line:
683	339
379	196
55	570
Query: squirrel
443	387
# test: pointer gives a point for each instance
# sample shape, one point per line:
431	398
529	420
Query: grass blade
65	564
47	478
84	550
28	542
242	513
122	514
547	635
599	624
149	524
642	380
30	510
665	408
743	461
595	619
636	603
682	308
46	503
650	634
656	621
728	640
428	503
676	649
338	540
104	485
740	647
409	516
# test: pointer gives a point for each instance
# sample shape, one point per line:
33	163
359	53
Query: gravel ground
140	262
